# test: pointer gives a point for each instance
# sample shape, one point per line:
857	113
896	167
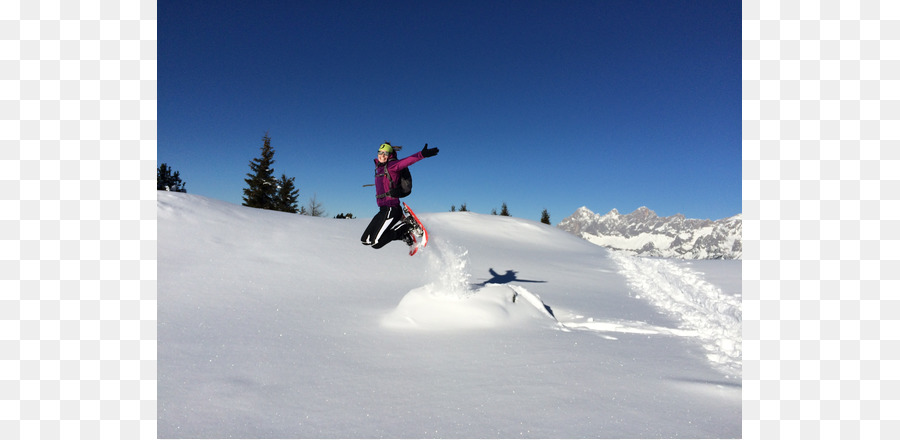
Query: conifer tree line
504	211
166	180
265	191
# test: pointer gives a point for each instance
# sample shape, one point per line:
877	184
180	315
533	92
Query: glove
428	152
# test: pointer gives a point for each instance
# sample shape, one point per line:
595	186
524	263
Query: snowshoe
417	225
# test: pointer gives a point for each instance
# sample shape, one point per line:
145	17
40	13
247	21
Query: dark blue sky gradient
539	104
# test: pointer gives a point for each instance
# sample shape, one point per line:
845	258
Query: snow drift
279	325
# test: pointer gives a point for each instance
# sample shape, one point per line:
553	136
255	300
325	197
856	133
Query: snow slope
279	325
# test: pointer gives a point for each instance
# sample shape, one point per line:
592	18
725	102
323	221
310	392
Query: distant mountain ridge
644	233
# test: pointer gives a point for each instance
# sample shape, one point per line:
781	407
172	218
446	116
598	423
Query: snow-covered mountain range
644	233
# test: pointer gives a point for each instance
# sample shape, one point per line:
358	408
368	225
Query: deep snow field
272	325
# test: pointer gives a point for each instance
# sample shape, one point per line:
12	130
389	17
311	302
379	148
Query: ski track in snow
706	312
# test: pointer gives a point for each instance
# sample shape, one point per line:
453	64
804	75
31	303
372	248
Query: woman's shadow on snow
508	277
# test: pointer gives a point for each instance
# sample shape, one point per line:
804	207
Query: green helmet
386	147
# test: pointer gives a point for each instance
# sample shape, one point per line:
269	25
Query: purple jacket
383	185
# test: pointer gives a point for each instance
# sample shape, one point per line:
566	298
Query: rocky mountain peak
643	232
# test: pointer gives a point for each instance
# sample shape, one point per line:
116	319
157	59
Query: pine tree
261	184
286	198
167	181
545	217
504	210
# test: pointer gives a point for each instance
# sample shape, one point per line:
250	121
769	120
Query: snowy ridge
644	233
272	325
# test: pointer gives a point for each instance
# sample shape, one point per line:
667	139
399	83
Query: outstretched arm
407	161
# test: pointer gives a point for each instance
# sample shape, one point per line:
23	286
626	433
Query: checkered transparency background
77	219
821	163
821	152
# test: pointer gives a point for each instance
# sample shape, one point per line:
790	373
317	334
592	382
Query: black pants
385	227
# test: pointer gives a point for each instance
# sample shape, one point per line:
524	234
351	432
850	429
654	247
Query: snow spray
448	269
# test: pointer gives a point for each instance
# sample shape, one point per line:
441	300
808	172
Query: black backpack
402	187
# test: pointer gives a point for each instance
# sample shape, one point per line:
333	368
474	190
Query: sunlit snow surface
284	326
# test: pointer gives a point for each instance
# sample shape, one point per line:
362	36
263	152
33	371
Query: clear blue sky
539	104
